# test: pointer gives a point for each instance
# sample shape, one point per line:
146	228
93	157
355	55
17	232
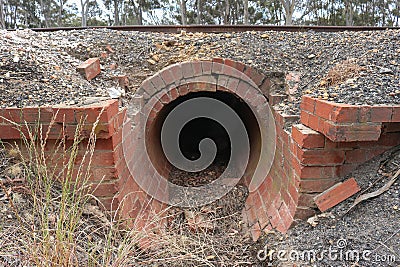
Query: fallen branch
375	193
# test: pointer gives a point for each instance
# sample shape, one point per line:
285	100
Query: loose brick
303	213
336	194
306	137
122	80
90	68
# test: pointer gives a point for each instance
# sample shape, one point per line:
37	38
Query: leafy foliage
57	13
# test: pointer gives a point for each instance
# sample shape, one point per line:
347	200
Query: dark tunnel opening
198	129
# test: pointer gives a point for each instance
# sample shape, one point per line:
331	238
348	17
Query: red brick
158	82
233	84
324	109
389	139
148	87
306	137
8	132
254	75
396	114
218	60
104	189
316	186
187	69
167	76
255	231
176	72
109	203
313	122
308	104
103	111
197	68
276	99
320	157
303	213
217	67
381	113
336	194
206	66
90	68
234	64
286	217
307	200
265	87
364	113
352	132
344	113
183	90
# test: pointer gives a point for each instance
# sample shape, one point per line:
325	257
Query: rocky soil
39	68
372	227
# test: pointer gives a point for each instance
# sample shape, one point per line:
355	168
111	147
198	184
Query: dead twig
376	193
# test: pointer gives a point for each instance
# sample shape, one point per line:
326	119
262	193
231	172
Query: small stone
385	71
264	35
395	207
109	49
311	56
16	59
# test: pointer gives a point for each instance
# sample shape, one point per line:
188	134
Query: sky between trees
64	13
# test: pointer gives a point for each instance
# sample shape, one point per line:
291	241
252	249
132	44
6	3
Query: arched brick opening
228	81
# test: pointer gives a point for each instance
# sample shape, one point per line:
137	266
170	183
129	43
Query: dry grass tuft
341	72
49	217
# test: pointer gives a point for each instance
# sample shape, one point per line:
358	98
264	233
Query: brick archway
267	206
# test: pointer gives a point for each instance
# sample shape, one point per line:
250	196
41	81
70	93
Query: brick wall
311	156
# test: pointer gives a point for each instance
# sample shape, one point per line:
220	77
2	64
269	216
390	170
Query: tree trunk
60	13
116	12
140	14
198	19
182	4
43	8
348	13
83	19
246	11
2	22
227	12
288	6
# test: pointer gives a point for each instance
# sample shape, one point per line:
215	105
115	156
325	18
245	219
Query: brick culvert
304	153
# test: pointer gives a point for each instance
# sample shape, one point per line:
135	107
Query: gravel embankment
39	68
